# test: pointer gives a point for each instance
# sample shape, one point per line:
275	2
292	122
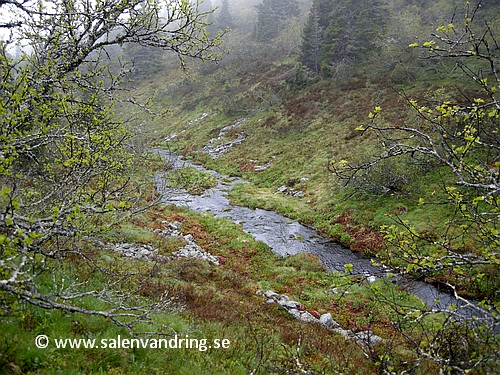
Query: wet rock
307	317
282	189
327	321
368	338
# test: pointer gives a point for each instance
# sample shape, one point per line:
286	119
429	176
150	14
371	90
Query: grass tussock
209	302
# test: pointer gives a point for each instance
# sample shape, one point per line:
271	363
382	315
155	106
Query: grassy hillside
293	128
296	131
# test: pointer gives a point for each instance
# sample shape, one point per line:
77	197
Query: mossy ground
210	302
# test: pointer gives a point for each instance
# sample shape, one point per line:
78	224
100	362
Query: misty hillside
249	187
303	106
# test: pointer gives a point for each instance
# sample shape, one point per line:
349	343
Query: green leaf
348	267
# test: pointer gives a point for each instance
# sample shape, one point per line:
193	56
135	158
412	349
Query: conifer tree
312	40
272	16
225	18
340	32
352	32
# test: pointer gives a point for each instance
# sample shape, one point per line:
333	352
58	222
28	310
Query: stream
288	237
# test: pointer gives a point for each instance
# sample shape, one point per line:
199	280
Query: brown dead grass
363	239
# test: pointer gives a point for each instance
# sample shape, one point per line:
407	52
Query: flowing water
285	236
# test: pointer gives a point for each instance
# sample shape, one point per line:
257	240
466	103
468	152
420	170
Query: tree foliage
341	32
312	38
64	159
272	16
225	18
462	141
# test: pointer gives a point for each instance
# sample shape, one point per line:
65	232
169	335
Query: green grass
215	303
190	179
297	139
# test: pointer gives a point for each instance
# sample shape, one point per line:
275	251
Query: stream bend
288	237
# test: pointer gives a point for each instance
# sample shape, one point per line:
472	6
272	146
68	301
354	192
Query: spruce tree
225	18
272	16
340	32
352	32
312	41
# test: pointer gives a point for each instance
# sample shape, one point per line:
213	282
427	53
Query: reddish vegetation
314	313
298	108
363	239
247	167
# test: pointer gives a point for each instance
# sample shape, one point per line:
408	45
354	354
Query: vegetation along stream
288	237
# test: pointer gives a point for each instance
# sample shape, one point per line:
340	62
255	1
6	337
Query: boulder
189	238
368	338
307	317
327	321
290	304
271	294
284	298
295	313
282	189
